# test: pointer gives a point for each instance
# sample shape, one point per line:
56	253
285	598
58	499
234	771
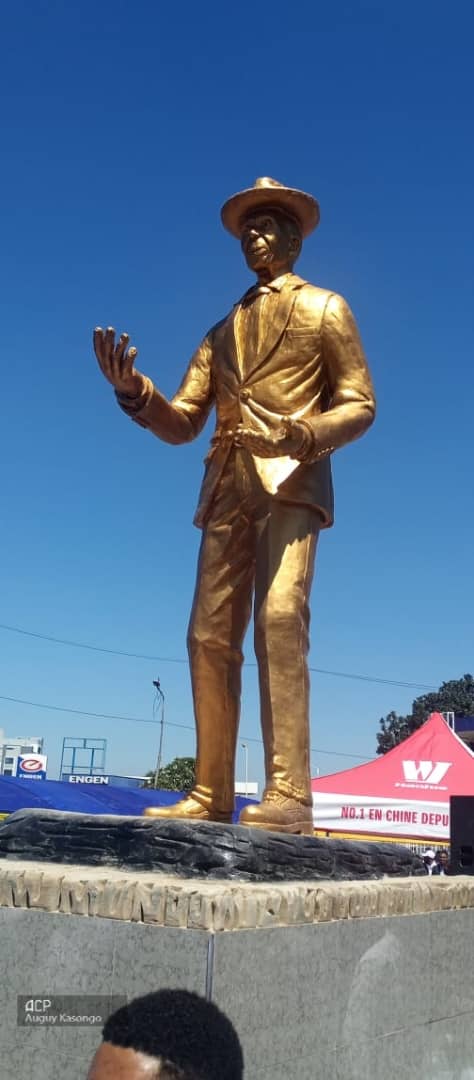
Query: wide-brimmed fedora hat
270	193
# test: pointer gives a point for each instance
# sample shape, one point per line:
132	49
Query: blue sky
124	128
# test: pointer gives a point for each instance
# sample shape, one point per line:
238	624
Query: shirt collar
273	286
278	284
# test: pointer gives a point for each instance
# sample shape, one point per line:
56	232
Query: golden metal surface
287	376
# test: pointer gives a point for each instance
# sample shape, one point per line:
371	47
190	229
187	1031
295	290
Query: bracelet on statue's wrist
133	403
308	441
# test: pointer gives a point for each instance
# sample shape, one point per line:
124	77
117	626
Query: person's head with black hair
168	1035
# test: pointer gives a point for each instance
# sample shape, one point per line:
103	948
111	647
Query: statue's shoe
188	809
279	814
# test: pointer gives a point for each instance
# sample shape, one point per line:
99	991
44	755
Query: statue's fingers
109	343
283	436
251	440
109	353
102	353
241	435
128	361
121	347
98	339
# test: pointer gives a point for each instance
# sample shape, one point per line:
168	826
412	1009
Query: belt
223	435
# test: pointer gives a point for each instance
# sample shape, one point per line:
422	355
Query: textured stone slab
198	849
164	900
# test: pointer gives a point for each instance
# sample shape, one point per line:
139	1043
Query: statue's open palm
117	362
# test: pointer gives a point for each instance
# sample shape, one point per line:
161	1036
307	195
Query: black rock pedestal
198	849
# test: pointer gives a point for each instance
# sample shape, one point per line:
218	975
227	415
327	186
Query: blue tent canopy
85	798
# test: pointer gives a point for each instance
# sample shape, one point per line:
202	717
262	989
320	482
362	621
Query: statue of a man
288	378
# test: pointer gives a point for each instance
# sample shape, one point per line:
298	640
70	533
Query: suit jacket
310	366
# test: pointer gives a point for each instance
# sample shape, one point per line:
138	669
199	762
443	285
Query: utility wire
180	660
141	720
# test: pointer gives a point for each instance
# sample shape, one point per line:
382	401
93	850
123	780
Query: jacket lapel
275	329
230	344
277	325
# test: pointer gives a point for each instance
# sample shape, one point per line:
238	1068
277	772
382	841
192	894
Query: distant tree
456	696
394	729
178	775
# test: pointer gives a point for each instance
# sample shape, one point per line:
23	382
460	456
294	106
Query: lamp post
159	699
245	749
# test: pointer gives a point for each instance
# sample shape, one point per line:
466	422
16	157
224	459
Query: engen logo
425	772
32	764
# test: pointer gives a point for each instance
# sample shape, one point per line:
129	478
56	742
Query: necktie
252	307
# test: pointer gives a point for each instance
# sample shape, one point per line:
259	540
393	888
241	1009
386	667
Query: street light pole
161	698
245	749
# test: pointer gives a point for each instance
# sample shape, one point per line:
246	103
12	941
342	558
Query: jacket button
245	395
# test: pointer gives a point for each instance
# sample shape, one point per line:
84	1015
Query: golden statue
287	375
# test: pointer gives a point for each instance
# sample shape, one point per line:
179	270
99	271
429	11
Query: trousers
254	547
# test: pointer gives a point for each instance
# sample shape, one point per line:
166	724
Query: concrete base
347	981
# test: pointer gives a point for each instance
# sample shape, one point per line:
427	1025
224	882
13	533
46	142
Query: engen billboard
31	767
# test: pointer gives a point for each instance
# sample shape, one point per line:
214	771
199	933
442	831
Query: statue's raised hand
117	361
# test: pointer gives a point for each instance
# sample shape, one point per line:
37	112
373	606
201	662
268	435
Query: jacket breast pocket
293	332
301	342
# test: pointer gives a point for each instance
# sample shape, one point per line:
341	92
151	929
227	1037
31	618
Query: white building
11	749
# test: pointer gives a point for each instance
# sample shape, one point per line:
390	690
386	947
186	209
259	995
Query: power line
141	720
374	679
179	660
84	712
84	645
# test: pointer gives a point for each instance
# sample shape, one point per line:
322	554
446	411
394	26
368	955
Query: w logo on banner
425	772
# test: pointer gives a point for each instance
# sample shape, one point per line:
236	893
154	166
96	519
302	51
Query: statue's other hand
288	440
117	361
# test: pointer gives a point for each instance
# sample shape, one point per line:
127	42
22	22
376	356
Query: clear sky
124	128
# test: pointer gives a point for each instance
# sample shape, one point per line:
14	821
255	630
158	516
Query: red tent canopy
404	793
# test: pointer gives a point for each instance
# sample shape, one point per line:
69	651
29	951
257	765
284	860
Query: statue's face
269	241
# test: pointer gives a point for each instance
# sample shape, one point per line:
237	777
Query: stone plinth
197	849
167	901
323	980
